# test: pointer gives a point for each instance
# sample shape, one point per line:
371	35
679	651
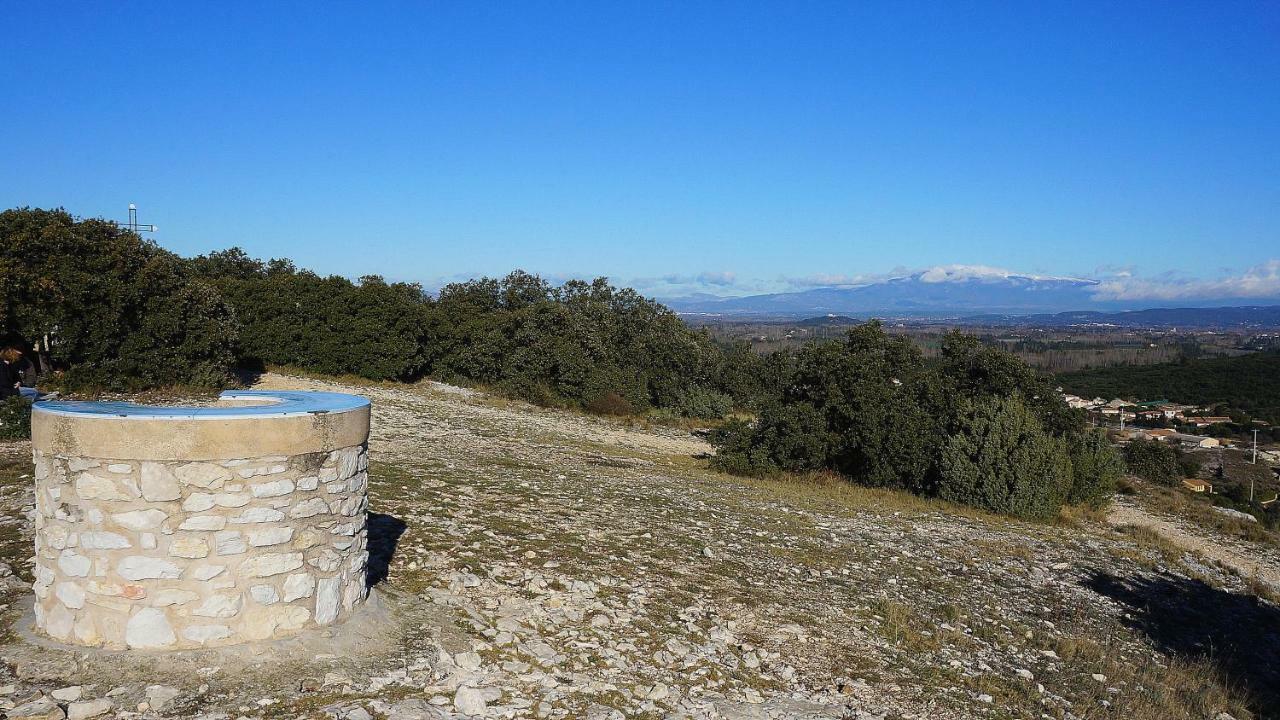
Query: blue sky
680	147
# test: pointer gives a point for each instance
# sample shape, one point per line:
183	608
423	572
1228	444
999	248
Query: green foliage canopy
120	312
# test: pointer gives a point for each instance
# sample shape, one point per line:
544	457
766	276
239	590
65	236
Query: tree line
1247	383
974	425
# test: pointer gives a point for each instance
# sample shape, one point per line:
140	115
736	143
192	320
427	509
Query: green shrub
699	402
610	403
1096	468
15	419
1189	464
120	313
1152	461
1000	459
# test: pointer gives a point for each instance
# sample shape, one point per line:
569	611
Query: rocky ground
534	563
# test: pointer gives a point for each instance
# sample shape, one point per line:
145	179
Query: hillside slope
549	565
1248	382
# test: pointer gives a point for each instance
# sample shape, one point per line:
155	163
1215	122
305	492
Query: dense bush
119	312
1152	461
977	426
582	344
1096	469
999	458
15	419
701	402
329	325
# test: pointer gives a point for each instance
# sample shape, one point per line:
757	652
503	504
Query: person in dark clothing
10	379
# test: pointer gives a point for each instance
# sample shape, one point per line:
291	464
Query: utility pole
1255	446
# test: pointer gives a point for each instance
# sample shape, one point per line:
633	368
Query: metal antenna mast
133	221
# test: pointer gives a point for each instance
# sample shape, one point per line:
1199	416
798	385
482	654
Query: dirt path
1228	553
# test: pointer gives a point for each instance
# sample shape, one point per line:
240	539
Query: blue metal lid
277	403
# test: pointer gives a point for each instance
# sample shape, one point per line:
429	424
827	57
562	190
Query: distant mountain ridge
1243	317
936	293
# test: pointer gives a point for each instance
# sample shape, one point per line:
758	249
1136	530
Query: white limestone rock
158	483
141	567
148	519
102	540
93	487
270	536
270	564
73	564
204	522
309	508
219	605
149	629
328	599
197	502
257	515
70	594
229	542
264	594
204	475
189	546
299	585
274	488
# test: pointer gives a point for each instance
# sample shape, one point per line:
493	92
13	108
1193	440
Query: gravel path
1249	562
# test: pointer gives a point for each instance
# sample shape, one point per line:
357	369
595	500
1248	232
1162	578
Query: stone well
182	527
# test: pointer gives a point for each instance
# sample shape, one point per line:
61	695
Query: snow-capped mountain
936	291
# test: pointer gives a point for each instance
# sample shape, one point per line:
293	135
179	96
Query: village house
1196	485
1206	420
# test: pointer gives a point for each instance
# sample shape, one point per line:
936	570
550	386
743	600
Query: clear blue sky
774	142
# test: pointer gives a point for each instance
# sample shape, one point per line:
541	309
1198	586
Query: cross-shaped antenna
133	221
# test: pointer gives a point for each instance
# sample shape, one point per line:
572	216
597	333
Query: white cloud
1259	281
723	278
964	273
823	280
716	282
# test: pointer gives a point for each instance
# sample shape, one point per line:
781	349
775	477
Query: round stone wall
171	528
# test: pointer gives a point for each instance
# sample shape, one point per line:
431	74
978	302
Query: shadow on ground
384	534
1238	634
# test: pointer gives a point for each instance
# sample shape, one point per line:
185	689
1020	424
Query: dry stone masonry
173	528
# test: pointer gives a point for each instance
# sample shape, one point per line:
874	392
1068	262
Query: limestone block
203	634
264	594
101	540
232	499
219	605
270	564
203	475
159	483
94	487
274	488
208	572
73	564
70	594
204	522
256	515
197	502
173	596
147	519
229	542
270	536
328	599
188	546
149	628
142	567
299	585
309	508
